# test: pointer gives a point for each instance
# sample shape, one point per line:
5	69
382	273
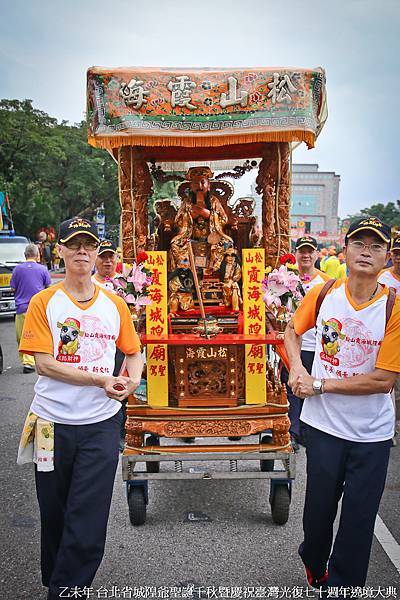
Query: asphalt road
239	546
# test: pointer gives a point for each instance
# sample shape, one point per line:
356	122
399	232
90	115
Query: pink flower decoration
142	301
121	282
271	300
130	299
138	278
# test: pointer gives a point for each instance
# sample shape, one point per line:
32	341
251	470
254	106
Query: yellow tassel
197	141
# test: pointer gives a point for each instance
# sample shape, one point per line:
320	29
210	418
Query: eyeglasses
375	248
86	244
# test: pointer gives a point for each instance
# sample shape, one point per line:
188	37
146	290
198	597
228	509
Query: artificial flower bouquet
133	284
282	292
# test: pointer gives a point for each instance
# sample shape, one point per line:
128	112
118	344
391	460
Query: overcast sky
47	45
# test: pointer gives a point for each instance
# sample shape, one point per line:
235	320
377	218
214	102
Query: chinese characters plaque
254	324
157	325
153	107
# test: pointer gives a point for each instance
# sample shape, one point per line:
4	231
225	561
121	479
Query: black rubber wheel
137	505
152	467
280	504
266	465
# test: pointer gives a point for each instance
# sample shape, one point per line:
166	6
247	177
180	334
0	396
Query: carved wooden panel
135	187
203	427
273	183
206	373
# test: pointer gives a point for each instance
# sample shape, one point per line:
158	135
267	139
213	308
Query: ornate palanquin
158	124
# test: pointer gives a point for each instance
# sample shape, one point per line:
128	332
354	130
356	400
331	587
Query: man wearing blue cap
72	431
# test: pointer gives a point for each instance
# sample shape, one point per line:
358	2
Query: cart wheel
280	503
152	467
137	505
266	465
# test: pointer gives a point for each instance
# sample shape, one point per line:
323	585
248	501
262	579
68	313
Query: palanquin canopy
194	114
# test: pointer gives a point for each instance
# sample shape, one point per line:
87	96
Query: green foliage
49	170
388	213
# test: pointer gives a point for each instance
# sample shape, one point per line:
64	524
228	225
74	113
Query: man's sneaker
28	369
316	583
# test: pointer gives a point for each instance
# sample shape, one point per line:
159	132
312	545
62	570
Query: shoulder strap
322	294
389	304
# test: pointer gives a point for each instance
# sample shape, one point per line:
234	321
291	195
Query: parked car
11	254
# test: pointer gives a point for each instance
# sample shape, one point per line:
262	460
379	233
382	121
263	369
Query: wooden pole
197	286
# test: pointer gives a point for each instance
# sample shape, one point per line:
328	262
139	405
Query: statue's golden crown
195	172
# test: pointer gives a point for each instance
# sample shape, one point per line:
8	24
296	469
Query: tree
388	213
49	170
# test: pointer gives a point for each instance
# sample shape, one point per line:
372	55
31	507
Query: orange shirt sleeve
389	353
36	334
304	317
128	340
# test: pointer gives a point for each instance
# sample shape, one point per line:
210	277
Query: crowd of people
341	407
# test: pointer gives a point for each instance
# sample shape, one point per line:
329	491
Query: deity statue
181	287
230	275
201	218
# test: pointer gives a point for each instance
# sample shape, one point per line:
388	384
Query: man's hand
131	386
295	372
302	386
119	388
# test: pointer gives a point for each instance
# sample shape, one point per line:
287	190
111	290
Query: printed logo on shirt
359	344
96	339
68	345
331	334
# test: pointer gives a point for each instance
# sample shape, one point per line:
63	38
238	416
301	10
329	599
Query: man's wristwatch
318	386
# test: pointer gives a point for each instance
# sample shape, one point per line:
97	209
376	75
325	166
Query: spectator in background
322	256
105	265
44	249
391	276
55	258
120	262
306	253
331	264
342	270
27	279
105	269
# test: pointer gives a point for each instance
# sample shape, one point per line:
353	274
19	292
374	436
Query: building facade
314	200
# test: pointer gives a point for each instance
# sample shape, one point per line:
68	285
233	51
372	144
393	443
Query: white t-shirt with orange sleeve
83	338
388	278
106	285
351	340
308	338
